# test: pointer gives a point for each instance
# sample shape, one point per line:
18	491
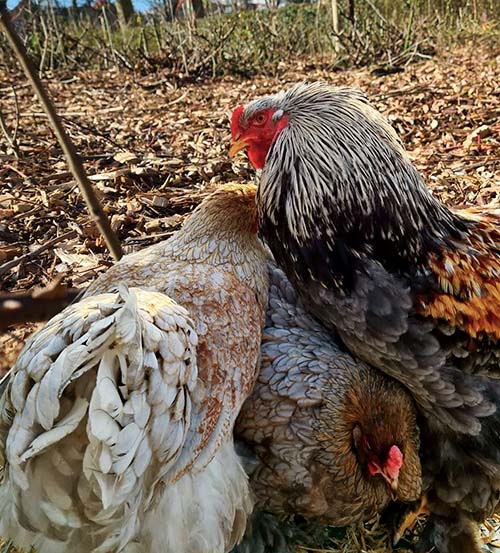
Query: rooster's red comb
235	121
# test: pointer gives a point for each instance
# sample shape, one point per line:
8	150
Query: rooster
411	286
116	424
324	436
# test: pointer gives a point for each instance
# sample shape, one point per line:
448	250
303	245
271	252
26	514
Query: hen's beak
391	482
237	145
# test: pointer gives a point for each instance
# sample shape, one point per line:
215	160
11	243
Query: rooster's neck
338	188
328	224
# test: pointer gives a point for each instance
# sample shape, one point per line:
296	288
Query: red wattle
373	468
257	154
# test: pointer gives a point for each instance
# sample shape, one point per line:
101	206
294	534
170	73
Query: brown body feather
468	276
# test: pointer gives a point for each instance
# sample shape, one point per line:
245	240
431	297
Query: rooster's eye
259	119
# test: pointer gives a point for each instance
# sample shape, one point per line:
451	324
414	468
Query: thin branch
377	12
73	160
11	140
35	253
31	308
16	106
107	30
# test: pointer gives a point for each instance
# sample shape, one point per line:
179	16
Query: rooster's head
255	132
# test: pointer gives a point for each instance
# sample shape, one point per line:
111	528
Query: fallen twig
36	307
31	255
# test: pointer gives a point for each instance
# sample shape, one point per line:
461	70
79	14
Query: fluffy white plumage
116	424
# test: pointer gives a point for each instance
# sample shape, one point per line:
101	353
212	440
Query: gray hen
322	435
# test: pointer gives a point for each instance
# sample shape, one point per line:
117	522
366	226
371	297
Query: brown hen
116	423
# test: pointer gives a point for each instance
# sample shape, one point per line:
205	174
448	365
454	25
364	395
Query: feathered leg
453	534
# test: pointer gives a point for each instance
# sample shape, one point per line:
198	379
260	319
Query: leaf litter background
154	145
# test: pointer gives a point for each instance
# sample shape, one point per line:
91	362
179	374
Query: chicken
411	286
326	437
116	424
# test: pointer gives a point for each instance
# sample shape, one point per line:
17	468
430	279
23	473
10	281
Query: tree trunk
125	11
351	11
198	8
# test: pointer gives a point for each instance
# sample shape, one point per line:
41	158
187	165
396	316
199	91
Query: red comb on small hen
394	461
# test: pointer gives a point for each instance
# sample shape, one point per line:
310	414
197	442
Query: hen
325	436
116	424
411	286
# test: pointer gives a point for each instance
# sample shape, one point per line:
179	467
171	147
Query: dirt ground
153	145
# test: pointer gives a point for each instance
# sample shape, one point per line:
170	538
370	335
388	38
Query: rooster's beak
237	145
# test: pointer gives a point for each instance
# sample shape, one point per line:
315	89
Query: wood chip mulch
153	149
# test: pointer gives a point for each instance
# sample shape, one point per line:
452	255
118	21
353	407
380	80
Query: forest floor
154	145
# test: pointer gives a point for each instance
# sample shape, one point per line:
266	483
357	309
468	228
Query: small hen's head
382	460
374	422
385	437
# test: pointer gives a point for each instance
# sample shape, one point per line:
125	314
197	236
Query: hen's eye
259	119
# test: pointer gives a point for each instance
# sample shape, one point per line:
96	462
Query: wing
297	467
270	422
228	321
296	349
466	295
378	323
97	411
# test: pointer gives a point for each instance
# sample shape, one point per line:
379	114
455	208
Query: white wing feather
96	412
